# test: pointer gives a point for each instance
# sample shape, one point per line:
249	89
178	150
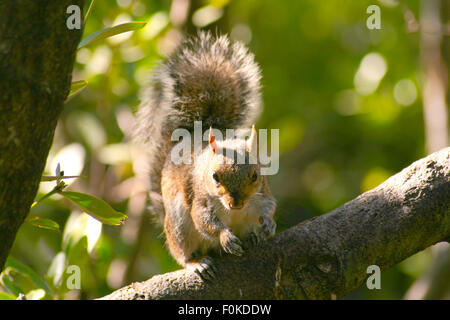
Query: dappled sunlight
347	101
372	69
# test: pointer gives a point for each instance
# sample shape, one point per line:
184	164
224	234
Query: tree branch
37	52
328	255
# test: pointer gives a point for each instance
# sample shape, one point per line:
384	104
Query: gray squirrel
214	203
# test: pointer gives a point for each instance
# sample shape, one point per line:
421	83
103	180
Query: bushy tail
207	79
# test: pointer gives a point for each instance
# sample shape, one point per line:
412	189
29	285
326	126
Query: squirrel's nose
236	206
236	201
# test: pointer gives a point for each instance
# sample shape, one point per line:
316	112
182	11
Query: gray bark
37	52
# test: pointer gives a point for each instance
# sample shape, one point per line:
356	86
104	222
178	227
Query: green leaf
7	283
43	223
77	86
78	253
55	190
89	11
97	208
56	270
27	271
109	32
6	296
77	226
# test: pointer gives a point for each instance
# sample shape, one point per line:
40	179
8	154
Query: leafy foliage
337	137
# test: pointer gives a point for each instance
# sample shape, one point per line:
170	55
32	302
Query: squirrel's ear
212	141
252	142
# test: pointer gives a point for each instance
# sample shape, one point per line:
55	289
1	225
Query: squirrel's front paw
268	227
230	243
204	268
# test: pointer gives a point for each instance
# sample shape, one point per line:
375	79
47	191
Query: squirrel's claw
230	243
254	239
205	269
268	228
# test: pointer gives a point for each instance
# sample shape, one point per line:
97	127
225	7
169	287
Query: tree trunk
328	256
37	53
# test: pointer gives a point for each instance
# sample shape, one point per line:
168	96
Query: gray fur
207	79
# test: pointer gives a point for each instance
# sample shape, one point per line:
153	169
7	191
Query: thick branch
328	255
37	52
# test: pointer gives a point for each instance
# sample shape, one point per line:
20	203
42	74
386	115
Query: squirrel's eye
255	176
216	176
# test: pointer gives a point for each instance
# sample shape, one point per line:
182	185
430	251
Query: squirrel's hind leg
186	253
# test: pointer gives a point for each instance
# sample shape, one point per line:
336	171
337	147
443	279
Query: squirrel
213	204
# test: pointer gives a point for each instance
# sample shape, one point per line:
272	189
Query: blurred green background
347	101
